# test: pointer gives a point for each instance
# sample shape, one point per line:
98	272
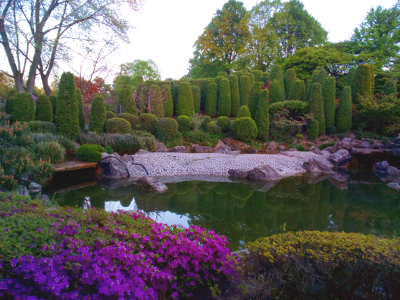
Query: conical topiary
290	84
185	105
23	109
344	116
243	112
224	101
262	115
362	83
97	117
244	89
316	106
276	73
313	129
79	99
44	110
300	90
235	97
169	105
275	91
196	98
211	99
314	79
253	99
11	96
329	92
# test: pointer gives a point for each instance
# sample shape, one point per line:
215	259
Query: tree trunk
45	82
35	62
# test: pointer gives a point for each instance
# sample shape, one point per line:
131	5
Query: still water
245	211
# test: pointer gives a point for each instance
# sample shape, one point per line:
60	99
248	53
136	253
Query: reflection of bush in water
170	192
185	187
202	187
241	191
210	184
221	189
184	203
220	203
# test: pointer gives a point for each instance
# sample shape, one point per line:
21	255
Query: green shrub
184	123
148	121
98	114
326	145
174	94
125	95
283	130
294	107
176	140
314	79
206	120
90	153
169	105
316	106
67	114
23	108
223	74
131	107
290	84
344	116
11	96
349	80
224	100
156	108
277	74
132	119
44	111
245	129
42	126
244	89
224	123
262	115
108	107
257	75
235	97
322	75
196	98
120	143
244	112
331	130
198	137
185	105
117	125
362	83
213	128
313	129
300	90
108	150
53	100
254	97
110	115
211	99
329	93
276	92
81	111
166	129
390	87
52	151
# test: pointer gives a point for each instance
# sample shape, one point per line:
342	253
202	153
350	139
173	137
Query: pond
245	211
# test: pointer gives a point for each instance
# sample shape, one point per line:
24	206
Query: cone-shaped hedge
300	90
53	100
211	99
362	83
316	106
125	95
276	73
322	75
11	96
224	102
217	81
252	79
290	84
97	117
350	76
223	74
185	105
276	92
329	92
343	117
244	89
257	75
313	129
196	98
262	115
235	97
44	110
131	107
175	93
169	105
67	114
81	116
314	79
243	112
390	87
23	108
253	99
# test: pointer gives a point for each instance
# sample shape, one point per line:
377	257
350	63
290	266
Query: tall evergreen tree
390	87
276	73
329	92
224	101
81	116
196	98
257	75
211	99
290	84
244	89
362	83
185	105
276	91
97	116
344	116
254	97
316	106
300	90
235	97
44	110
262	115
23	109
321	75
169	105
314	79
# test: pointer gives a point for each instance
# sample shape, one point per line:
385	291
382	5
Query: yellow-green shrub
148	121
117	125
44	110
90	153
245	129
132	119
184	123
224	123
110	115
166	129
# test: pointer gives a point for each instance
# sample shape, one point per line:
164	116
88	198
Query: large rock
377	144
392	171
381	167
341	158
218	145
161	147
201	149
271	147
223	149
179	149
264	173
45	199
281	148
113	168
340	180
316	166
236	145
150	184
394	185
317	151
238	173
21	190
34	188
343	144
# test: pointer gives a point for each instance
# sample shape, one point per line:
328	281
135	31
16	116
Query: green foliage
224	123
67	113
322	75
108	150
344	116
276	92
125	95
132	119
277	74
262	115
294	107
169	105
81	115
108	107
313	129
131	107
329	92
244	112
176	140
23	108
53	100
290	84
244	89
326	145
120	143
11	96
184	123
166	129
224	100
51	151
42	126
300	90
211	99
349	81
109	115
314	79
245	129
283	130
362	83
213	128
184	105
257	75
223	74
199	137
235	96
316	106
117	125
98	114
254	97
44	111
175	93
90	153
148	121
196	98
390	87
206	120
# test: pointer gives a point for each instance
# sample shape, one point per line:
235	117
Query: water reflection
246	211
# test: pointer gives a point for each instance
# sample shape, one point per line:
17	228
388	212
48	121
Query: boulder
341	158
126	159
200	149
394	185
21	190
340	180
161	147
223	149
236	145
315	166
317	151
113	168
271	147
381	167
104	154
281	148
34	188
45	199
312	148
343	144
238	173
252	151
141	151
377	144
293	149
179	149
218	145
264	173
366	144
150	184
393	171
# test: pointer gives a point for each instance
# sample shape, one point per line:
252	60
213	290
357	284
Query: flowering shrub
77	254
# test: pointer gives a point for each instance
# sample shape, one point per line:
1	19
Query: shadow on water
245	211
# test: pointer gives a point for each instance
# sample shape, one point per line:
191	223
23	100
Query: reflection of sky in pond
114	206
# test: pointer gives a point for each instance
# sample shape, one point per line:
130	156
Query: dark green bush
198	137
235	97
90	153
294	107
23	108
276	92
53	100
196	98
108	150
131	107
244	112
11	96
110	115
300	90
283	130
224	100
257	75
314	79
206	120
224	123
362	83
148	121
176	140
313	129
169	105
262	116
213	128
245	129
42	126
132	119
120	143
329	93
344	116
125	95
184	123
254	97
390	87
166	129
322	75
52	151
108	107
98	114
157	108
185	105
277	74
44	111
316	106
211	99
290	84
117	125
244	90
81	115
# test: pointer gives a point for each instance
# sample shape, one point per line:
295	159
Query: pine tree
169	105
244	89
276	73
253	99
329	92
81	116
344	117
44	110
290	84
224	102
276	92
300	90
97	116
390	87
235	97
211	99
185	105
362	83
262	115
316	106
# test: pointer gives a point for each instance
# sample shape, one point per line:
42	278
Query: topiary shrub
148	121
108	107
329	93
262	116
294	107
224	100
316	106
300	90
184	123
313	129
44	111
81	115
23	108
196	98
206	120
53	100
245	129
277	74
166	129
110	115
314	79
117	125
390	87
108	150
362	83
244	90
244	112
131	107
211	99
322	75
253	99
224	123
213	128
344	116
235	97
98	114
132	119
185	105
11	96
257	75
52	151
169	105
276	92
42	127
290	84
90	153
125	95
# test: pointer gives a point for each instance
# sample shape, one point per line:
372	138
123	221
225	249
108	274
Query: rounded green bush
53	100
148	121
42	127
224	123
52	151
244	112
110	115
196	98
23	108
253	99
244	89
207	119
235	96
184	123
185	105
166	129
97	117
213	128
344	111
117	125
224	100
108	149
313	129
257	75
132	119
11	96
89	152
245	129
262	116
44	110
211	99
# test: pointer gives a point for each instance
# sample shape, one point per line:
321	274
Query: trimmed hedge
131	107
81	110
213	128
196	98
329	93
125	95
262	115
224	100
98	114
53	100
350	77
314	79
211	99
132	119
300	90
294	106
253	99
257	75
344	112
245	129
235	97
52	151
185	105
184	123
42	127
313	129
244	89
276	92
244	112
44	110
148	121
155	91
390	87
23	109
224	123
11	96
90	153
362	83
166	129
110	115
108	107
206	120
322	75
117	125
276	73
316	106
290	84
